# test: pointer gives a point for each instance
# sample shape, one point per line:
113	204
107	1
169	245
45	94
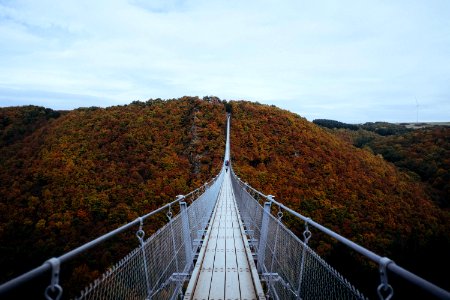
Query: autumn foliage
423	152
68	177
351	191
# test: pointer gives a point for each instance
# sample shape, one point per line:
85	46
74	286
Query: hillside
424	153
17	123
350	190
68	180
68	177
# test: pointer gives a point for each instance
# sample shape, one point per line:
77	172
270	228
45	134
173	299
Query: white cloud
321	59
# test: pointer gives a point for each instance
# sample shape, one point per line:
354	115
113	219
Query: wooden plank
254	277
217	290
226	266
232	290
206	261
206	270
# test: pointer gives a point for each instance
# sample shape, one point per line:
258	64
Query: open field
415	125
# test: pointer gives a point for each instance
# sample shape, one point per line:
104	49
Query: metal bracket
253	242
275	277
271	277
306	233
180	277
54	286
140	233
384	287
197	242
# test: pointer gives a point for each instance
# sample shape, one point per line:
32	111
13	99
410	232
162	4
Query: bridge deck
225	268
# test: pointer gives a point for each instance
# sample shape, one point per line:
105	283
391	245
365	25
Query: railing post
247	217
186	234
263	236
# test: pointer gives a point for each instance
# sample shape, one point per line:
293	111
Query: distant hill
381	128
422	152
17	123
67	177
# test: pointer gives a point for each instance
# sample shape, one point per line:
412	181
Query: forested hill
352	191
67	177
423	152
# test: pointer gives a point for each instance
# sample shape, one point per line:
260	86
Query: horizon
347	61
444	122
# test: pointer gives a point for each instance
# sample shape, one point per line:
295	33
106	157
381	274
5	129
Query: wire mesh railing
292	269
154	270
158	268
289	267
162	262
301	273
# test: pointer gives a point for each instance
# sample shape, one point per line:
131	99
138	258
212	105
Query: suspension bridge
228	242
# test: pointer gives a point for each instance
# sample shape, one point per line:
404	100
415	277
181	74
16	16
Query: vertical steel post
245	204
263	236
186	234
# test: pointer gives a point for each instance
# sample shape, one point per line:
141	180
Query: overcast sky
352	61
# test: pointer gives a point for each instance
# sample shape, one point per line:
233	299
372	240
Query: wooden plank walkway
225	268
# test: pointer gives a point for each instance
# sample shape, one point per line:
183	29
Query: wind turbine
417	110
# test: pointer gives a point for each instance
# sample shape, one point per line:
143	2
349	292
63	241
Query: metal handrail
46	266
391	265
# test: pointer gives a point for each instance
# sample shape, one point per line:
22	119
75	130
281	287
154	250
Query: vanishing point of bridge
227	241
